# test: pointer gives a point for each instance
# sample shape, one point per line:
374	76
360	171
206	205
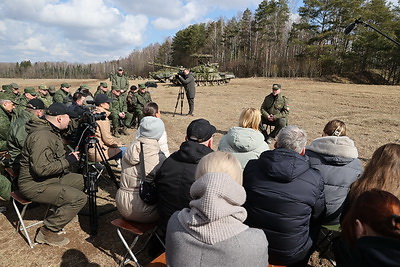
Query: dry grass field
371	113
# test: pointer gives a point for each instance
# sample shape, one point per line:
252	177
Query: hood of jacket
191	152
38	124
283	165
334	149
239	139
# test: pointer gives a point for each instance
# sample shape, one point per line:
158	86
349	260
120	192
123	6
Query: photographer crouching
45	176
112	148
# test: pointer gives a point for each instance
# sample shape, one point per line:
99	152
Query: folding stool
137	229
17	197
328	234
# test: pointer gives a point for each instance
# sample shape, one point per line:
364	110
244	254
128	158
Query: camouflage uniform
279	107
62	97
119	105
139	100
45	176
47	99
5	120
120	81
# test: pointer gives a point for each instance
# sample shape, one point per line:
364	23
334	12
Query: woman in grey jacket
336	157
245	142
211	232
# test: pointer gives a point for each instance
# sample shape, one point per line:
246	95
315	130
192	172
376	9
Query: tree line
268	42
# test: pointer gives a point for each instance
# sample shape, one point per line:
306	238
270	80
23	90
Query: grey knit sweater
211	232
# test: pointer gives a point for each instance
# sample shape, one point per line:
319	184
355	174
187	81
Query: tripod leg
108	167
93	207
182	97
176	104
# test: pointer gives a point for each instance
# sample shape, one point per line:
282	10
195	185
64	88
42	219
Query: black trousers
191	105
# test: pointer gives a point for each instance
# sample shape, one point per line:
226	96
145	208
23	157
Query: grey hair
293	138
2	101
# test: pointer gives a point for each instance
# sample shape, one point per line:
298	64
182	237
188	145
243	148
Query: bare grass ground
371	113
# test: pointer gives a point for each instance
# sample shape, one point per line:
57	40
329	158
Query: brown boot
123	131
115	133
46	236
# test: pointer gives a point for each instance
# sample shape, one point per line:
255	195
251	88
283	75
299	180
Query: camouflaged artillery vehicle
205	74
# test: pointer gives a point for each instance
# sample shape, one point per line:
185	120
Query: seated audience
176	175
112	148
151	109
128	201
370	231
336	157
211	231
285	198
245	142
382	172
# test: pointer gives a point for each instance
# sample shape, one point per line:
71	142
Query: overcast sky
99	30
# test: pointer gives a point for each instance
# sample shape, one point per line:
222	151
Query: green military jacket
17	135
140	100
99	91
5	120
47	99
22	101
275	105
119	104
121	82
62	97
42	157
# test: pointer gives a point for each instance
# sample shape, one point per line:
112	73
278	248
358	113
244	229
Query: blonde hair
220	161
335	128
250	118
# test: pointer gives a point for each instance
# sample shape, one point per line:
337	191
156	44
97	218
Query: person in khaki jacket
112	148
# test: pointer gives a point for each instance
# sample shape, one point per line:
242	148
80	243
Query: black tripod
181	96
91	174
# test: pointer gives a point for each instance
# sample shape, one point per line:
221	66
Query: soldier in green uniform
17	133
119	80
275	112
44	95
15	91
52	90
103	89
45	176
6	117
139	100
63	95
29	94
119	115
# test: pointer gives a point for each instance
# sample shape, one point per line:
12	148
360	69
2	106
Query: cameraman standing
188	81
45	175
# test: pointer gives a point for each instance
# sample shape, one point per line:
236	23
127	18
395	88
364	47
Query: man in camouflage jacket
275	112
119	80
119	115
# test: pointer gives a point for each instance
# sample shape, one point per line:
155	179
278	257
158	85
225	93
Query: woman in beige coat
112	148
129	203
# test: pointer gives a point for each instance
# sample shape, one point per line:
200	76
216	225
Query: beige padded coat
129	203
108	144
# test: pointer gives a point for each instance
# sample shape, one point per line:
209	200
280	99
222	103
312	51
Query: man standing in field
188	81
120	81
274	112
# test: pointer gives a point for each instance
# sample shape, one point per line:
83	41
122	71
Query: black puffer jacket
284	196
336	159
175	177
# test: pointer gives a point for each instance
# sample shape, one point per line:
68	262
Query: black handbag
147	190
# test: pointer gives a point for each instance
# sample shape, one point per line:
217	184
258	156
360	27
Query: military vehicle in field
205	73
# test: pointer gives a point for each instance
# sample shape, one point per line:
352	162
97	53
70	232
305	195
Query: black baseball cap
35	104
56	109
200	130
102	98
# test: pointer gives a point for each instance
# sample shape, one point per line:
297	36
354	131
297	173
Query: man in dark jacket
285	198
45	176
275	112
188	81
176	175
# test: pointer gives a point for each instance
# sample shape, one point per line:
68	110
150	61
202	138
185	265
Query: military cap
14	85
35	104
276	86
120	68
114	87
29	90
142	86
43	87
52	89
84	86
104	84
6	87
65	85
